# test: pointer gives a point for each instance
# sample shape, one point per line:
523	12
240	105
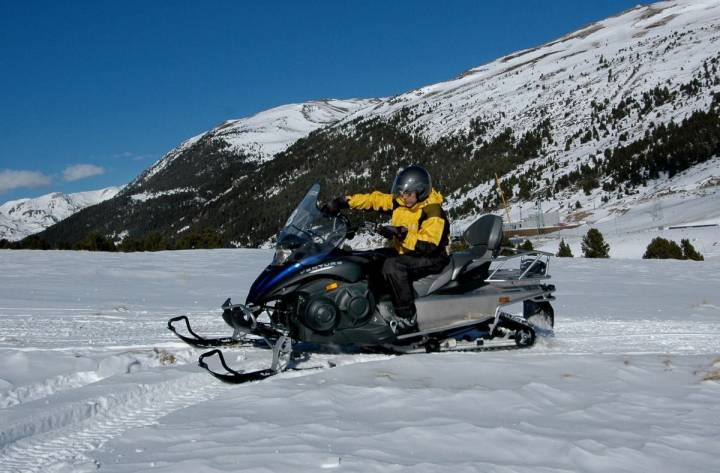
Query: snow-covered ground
91	379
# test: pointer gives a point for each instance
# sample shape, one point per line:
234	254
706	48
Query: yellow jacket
425	220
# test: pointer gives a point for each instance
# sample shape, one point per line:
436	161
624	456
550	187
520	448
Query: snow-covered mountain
665	43
23	217
591	124
263	135
603	79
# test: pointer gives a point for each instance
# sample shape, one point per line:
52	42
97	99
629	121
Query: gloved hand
335	205
390	231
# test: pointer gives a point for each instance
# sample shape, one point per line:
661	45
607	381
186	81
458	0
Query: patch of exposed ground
714	373
578	216
662	22
651	12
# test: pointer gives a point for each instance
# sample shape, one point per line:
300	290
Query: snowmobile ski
232	376
281	356
202	342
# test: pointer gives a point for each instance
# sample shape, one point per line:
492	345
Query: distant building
535	224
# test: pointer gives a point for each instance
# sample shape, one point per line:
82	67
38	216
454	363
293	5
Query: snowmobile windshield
308	231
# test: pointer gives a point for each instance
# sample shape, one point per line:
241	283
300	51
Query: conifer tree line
594	246
207	238
660	248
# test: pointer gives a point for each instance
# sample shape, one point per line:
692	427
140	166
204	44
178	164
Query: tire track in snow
140	407
47	387
64	446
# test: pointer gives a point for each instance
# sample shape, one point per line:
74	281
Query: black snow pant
399	272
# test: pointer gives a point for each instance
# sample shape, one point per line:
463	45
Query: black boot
405	320
406	325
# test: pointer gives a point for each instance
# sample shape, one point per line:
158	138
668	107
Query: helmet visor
401	186
405	184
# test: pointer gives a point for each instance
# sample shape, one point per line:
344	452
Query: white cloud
10	180
132	156
81	171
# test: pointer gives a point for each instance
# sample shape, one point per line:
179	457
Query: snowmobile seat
484	235
460	259
433	282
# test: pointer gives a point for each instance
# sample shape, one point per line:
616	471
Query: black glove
389	231
335	205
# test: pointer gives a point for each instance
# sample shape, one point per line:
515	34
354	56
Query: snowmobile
317	293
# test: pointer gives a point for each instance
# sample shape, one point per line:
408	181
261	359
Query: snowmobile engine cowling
348	305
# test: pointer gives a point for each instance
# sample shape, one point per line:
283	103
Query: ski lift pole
502	198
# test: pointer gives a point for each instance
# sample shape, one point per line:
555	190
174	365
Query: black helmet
413	179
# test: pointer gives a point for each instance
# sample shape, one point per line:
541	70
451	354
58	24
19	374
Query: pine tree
204	238
526	245
594	245
660	248
506	246
689	251
130	244
564	250
155	241
95	242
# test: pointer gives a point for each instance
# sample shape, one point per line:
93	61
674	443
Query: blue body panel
272	276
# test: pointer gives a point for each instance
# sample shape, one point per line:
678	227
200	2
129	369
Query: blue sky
93	92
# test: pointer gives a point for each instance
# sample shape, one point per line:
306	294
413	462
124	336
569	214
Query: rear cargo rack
534	266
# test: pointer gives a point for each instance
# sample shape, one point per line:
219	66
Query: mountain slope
20	218
599	88
259	137
590	119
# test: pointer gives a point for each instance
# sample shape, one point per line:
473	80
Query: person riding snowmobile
419	230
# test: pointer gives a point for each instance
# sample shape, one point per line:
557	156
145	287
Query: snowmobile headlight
281	255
